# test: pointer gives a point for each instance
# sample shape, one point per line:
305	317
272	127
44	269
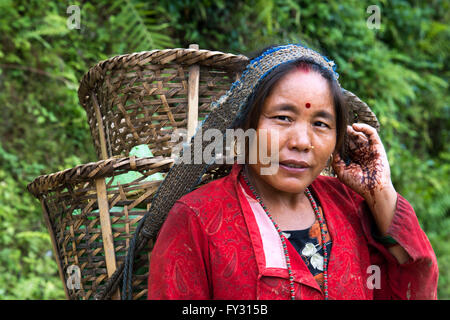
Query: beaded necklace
283	238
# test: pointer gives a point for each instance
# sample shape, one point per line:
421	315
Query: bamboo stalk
105	222
101	133
193	88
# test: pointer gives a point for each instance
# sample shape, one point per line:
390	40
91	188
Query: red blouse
218	243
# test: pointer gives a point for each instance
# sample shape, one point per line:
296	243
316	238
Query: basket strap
169	191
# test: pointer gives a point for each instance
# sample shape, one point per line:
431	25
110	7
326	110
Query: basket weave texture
134	99
71	201
142	98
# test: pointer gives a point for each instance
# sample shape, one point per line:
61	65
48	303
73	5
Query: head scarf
234	102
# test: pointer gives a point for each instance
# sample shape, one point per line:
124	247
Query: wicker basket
92	218
142	98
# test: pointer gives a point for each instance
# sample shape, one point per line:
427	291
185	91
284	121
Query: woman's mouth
294	166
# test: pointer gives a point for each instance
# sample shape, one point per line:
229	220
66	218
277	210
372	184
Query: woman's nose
299	138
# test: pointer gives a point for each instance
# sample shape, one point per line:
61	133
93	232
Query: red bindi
308	105
304	67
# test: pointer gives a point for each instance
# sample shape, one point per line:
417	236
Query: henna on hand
368	171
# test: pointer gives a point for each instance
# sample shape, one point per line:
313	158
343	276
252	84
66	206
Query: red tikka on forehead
304	67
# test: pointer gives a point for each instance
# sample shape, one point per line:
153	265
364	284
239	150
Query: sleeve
416	278
179	259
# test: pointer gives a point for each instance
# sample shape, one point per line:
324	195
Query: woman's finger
338	164
369	131
353	133
356	139
336	157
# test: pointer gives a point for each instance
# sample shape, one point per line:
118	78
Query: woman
295	234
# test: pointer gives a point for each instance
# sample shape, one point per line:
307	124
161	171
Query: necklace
283	238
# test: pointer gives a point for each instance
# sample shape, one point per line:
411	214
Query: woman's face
300	108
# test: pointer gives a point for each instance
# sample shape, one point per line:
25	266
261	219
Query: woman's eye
321	124
282	118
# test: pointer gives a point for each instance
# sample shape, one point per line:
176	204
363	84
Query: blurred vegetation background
400	70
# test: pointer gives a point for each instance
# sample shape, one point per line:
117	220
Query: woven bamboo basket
141	98
92	218
134	99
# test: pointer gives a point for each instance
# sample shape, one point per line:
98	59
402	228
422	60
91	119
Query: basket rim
94	170
362	109
180	56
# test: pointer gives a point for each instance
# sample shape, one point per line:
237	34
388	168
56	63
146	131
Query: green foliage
401	70
43	128
139	24
27	268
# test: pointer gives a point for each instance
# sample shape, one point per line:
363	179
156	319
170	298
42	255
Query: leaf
138	27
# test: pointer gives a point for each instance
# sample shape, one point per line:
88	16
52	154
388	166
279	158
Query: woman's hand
369	173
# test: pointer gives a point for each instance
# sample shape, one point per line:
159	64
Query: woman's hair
263	90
